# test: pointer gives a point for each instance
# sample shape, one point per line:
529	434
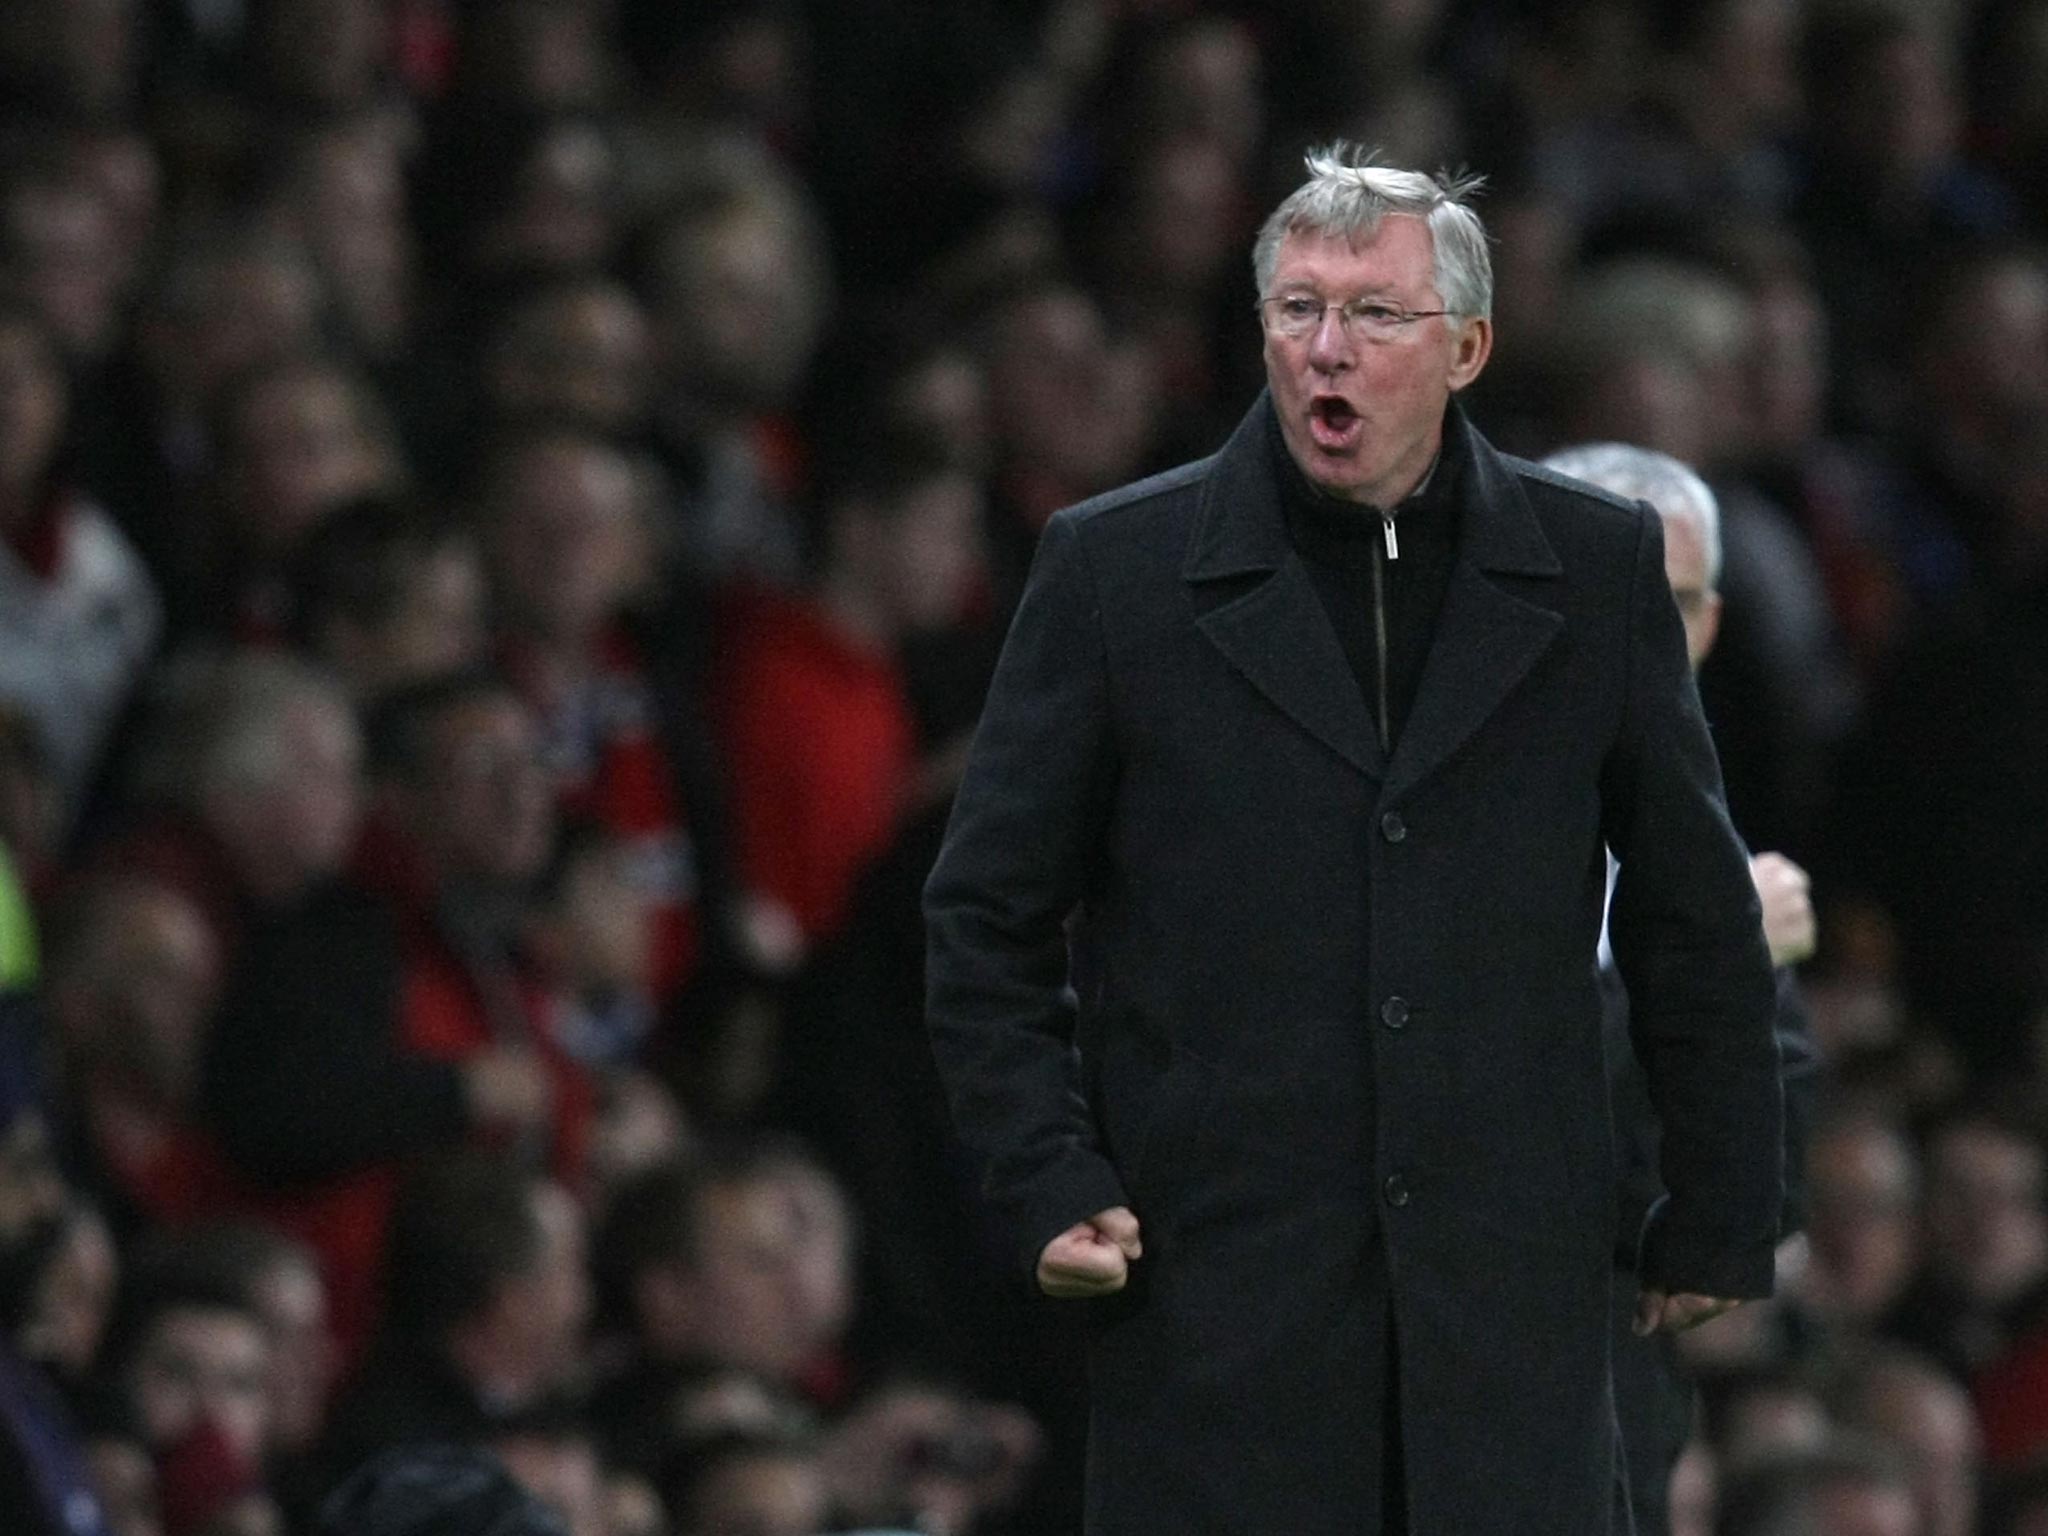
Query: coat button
1392	827
1394	1012
1396	1190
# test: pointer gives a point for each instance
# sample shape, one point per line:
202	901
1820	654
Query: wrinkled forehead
1398	248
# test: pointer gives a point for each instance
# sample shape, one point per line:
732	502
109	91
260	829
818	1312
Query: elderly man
1319	743
1653	1395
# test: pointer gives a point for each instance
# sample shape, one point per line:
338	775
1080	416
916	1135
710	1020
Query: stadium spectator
397	1014
299	439
812	700
247	787
134	973
487	1299
1863	1191
79	614
1842	1488
738	287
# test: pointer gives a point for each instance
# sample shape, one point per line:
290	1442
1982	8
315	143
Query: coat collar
1278	635
1240	526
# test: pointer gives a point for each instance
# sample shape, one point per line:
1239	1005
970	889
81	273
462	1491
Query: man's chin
1340	483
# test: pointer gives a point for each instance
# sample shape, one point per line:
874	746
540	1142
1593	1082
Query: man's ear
1472	347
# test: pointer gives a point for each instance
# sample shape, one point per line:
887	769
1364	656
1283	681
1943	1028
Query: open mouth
1334	422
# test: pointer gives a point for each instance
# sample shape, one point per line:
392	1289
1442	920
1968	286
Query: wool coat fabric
1329	1023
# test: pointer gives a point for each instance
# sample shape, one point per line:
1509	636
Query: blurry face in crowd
920	557
740	312
561	217
772	1288
32	1196
124	1479
770	1494
1989	360
568	537
540	55
121	167
582	355
69	1315
436	626
1787	384
352	212
227	313
304	444
1685	568
1897	116
1064	400
33	405
1773	1420
1859	1509
299	822
485	810
1863	1226
1652	398
62	246
1931	1419
292	1299
31	1187
944	398
202	1363
142	1010
327	52
554	1298
563	1474
1189	207
320	803
1363	417
922	1456
1986	1231
83	49
1205	84
602	916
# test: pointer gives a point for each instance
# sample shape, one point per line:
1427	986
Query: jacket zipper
1392	546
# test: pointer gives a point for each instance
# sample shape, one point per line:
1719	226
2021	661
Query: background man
1654	1402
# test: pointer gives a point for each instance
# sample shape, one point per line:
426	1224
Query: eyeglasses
1295	315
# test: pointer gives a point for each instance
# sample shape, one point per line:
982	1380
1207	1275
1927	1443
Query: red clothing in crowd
822	748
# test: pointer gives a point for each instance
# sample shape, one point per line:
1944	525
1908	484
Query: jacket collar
1241	527
1277	635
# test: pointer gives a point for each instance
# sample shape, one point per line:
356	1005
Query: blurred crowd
507	508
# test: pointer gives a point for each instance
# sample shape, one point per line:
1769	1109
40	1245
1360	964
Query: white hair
1644	474
1346	196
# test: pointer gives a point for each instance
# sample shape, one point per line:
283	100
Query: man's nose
1329	344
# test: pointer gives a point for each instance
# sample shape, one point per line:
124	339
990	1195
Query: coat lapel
1487	638
1276	635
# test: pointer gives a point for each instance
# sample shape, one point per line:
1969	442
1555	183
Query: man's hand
1092	1257
1659	1313
1786	894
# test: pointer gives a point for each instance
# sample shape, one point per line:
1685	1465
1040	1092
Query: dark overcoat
1330	1023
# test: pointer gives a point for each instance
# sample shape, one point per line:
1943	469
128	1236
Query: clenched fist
1092	1257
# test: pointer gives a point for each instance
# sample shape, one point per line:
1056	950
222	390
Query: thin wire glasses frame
1295	315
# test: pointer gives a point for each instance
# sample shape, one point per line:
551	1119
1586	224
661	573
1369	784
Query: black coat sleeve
1026	827
1636	1133
1688	940
306	1077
